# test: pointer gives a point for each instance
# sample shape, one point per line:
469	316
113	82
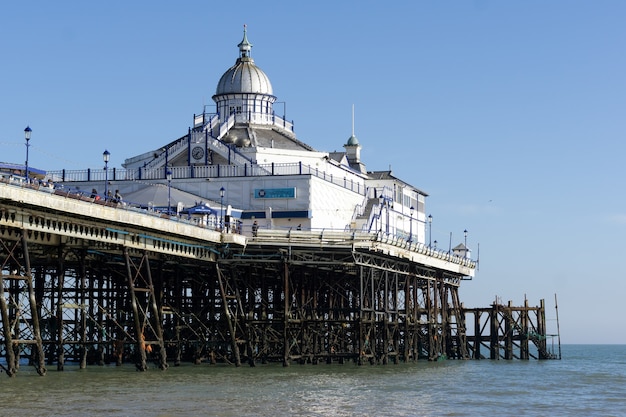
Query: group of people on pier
115	198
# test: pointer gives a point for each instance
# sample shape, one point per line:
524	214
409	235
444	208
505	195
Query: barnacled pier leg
157	317
524	353
83	314
477	334
494	345
542	343
431	305
229	314
461	329
141	363
40	365
59	315
443	314
286	346
508	331
10	369
12	315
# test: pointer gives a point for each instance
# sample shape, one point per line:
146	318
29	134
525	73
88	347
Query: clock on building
197	152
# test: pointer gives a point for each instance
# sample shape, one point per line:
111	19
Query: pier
268	251
94	282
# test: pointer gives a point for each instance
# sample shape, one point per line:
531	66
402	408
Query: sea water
589	380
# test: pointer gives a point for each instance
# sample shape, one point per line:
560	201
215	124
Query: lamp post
105	157
411	225
222	190
168	174
27	133
430	229
465	234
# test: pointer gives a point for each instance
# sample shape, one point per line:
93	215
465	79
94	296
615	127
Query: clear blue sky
510	114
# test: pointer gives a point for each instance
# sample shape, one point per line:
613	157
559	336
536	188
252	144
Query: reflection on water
580	383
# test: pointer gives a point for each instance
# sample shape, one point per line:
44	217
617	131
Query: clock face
197	152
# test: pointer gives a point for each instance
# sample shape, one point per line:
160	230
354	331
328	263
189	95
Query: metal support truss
20	322
147	317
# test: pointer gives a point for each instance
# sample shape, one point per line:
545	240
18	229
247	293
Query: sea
589	380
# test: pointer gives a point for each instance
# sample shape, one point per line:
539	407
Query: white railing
200	120
279	121
169	153
226	126
215	145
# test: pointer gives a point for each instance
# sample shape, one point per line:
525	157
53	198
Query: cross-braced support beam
146	314
20	323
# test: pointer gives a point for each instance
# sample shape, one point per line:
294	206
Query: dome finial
245	46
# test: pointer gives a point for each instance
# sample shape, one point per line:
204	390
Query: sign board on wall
275	192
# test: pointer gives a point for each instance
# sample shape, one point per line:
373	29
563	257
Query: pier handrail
101	200
211	121
169	153
356	238
153	230
231	153
206	171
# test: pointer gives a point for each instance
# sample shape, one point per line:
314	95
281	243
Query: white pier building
245	161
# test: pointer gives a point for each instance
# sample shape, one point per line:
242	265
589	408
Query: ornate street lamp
222	190
411	225
168	174
27	133
430	229
105	157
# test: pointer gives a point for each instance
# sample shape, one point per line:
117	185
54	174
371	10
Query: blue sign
275	192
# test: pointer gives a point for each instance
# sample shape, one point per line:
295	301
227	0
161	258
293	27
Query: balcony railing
206	171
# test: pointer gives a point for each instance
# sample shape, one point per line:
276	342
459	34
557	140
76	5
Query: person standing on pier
255	228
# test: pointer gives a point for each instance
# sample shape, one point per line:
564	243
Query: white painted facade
265	171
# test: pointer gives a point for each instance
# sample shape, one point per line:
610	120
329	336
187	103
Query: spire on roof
353	151
352	140
245	46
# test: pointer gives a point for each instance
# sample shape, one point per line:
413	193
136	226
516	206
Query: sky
511	115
